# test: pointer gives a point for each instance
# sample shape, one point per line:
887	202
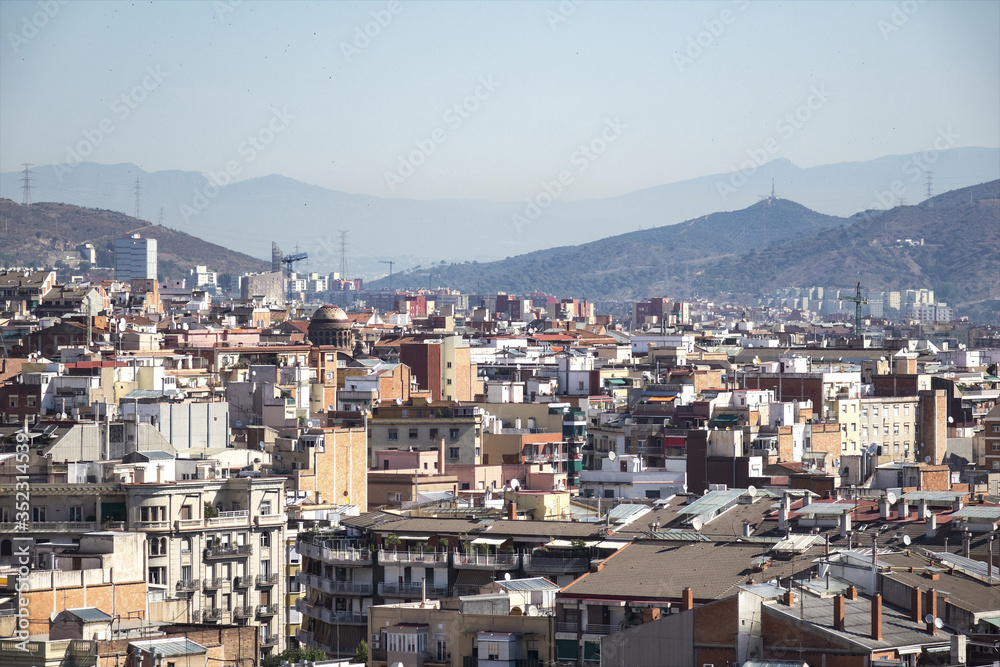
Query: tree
361	654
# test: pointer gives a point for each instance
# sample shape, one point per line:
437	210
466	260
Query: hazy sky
487	99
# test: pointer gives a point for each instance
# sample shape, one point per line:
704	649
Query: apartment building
892	423
421	424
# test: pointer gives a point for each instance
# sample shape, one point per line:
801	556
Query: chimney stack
877	617
687	599
440	456
904	509
783	513
845	524
883	508
512	512
932	611
838	613
916	606
789	598
807	498
931	525
852	593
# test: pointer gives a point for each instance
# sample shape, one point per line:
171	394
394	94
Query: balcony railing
242	612
187	585
267	609
600	629
242	582
411	589
229	551
51	526
268	640
356	557
188	524
475	561
331	616
420	557
332	585
152	525
212	614
267	579
304	637
217	582
234	518
563	626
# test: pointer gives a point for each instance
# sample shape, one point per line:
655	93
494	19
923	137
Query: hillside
44	234
773	243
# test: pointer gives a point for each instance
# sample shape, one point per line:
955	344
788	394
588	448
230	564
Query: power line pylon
26	184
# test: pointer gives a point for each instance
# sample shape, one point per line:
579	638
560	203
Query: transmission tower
929	189
138	197
343	253
159	219
26	184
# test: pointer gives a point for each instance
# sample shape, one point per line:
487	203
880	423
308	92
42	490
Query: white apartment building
135	257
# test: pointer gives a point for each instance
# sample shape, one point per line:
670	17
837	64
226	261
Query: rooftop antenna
138	198
390	263
857	310
343	253
26	184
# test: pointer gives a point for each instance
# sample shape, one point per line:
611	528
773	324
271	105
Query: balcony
212	614
305	638
188	585
218	582
188	524
50	527
268	640
331	616
563	626
151	525
409	590
349	557
414	557
474	561
267	579
269	519
267	609
229	551
600	629
234	518
242	612
545	565
242	582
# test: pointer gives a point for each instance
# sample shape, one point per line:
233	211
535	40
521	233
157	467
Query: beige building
892	423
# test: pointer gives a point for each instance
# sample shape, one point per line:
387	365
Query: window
653	493
448	381
413	433
995	428
453	433
158	575
895	429
995	447
906	410
453	452
76	513
265	539
265	568
38	514
433	434
265	508
13	401
185	572
31	401
447	364
864	412
580	385
874	411
393	434
185	545
885	430
895	411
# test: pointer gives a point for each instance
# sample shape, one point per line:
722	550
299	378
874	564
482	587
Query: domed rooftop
328	314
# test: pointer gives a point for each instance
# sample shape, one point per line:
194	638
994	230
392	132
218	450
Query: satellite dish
751	490
890	498
239	424
928	618
927	459
938	623
514	484
697	523
906	540
506	576
872	448
612	455
532	610
951	420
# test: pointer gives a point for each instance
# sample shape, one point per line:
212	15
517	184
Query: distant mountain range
247	215
954	248
44	234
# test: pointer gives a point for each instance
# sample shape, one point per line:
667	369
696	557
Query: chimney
904	509
789	598
783	513
747	530
916	606
852	593
957	505
922	509
932	610
440	456
512	512
931	525
966	543
877	617
807	498
687	599
838	613
883	508
845	524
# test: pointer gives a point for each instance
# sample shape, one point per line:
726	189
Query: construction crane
858	300
288	262
390	263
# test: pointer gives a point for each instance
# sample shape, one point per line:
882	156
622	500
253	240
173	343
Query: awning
995	622
413	538
566	544
608	544
616	381
492	541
